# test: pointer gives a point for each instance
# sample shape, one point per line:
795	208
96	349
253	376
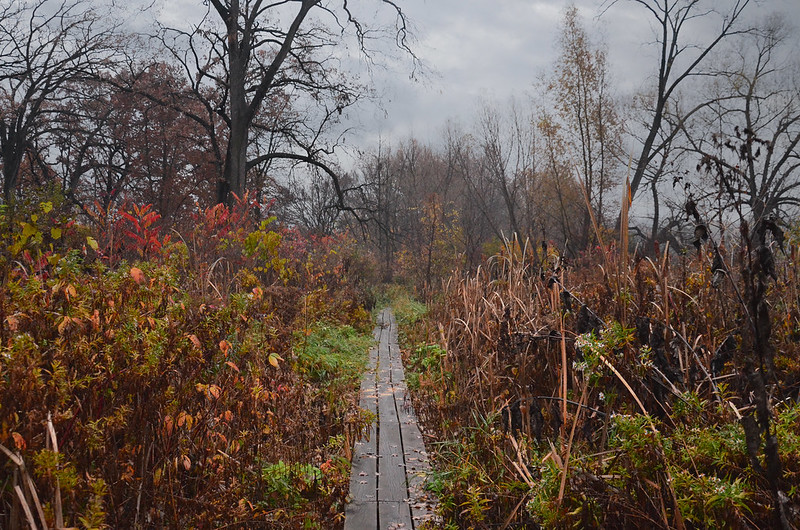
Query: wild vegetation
614	392
187	272
178	380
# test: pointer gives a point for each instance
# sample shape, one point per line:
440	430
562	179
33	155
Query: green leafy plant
288	484
331	354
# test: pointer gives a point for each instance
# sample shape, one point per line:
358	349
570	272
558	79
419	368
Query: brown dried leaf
95	319
137	275
19	441
63	325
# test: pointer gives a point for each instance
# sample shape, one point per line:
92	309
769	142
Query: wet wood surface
389	467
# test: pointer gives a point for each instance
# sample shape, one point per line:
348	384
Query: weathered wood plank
416	460
369	383
362	512
361	515
394	516
363	478
392	479
388	468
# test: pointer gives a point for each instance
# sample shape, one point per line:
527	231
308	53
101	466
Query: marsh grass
603	393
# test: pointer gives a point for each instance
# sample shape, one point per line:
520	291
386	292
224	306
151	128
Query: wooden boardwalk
388	468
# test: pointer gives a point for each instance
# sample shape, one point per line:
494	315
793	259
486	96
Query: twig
14	458
699	363
563	368
627	386
58	510
569	449
558	398
513	513
521	468
25	507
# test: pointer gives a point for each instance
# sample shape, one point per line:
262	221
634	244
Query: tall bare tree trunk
234	179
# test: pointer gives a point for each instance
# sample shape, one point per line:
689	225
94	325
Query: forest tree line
255	98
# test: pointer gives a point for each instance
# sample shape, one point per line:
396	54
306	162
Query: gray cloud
477	51
473	51
482	50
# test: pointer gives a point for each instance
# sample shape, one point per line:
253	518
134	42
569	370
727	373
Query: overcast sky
485	51
473	52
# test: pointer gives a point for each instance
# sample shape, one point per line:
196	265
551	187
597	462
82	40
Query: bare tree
383	194
44	47
478	201
753	116
506	165
311	203
557	199
680	59
251	62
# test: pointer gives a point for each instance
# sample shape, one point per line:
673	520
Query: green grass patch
331	355
407	309
425	361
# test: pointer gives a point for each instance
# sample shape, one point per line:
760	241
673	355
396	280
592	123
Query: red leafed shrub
175	396
127	231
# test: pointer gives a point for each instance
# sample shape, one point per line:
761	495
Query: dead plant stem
563	365
568	451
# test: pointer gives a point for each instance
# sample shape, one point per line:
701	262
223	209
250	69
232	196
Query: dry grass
548	364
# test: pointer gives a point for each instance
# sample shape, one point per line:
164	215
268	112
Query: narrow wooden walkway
388	468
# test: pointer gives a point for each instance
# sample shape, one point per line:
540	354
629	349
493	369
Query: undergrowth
609	396
199	379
